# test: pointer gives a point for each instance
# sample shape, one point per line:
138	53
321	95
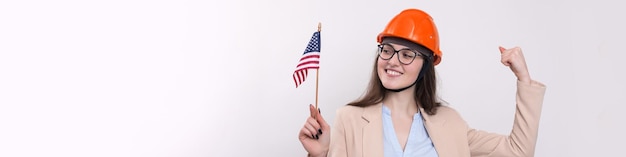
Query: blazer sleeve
338	138
523	137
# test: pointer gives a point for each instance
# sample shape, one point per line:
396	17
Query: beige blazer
358	131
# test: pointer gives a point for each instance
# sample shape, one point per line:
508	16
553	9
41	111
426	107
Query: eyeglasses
406	56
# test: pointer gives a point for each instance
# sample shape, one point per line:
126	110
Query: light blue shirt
418	144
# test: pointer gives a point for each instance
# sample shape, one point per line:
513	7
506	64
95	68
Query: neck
401	102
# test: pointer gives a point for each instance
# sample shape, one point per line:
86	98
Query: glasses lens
406	56
386	52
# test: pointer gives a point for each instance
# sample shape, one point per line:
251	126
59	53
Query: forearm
523	137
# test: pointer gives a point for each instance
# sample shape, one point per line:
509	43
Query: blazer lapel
372	131
436	131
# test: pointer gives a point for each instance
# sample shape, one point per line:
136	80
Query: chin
392	86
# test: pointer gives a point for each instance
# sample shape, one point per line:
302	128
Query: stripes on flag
309	60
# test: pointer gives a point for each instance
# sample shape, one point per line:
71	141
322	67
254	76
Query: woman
400	114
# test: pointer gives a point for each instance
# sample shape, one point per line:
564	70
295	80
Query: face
395	74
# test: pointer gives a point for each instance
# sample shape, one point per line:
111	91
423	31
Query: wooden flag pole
317	77
317	74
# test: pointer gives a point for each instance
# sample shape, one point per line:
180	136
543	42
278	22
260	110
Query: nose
395	59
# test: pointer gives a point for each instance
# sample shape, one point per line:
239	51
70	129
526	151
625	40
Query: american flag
310	59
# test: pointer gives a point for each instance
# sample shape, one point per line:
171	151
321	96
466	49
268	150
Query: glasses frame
380	51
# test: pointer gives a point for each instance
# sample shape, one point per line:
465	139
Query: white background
213	78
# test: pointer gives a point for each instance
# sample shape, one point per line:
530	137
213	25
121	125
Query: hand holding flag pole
310	60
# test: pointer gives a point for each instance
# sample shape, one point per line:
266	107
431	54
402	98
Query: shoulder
349	111
447	113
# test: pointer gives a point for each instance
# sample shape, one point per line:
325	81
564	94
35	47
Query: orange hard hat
416	26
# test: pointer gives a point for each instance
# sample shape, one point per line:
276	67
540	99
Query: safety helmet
416	26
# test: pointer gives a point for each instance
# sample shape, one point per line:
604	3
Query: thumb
504	59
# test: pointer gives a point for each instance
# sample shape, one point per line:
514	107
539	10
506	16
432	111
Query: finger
311	132
505	60
313	110
513	56
311	126
305	133
314	123
502	49
320	119
506	63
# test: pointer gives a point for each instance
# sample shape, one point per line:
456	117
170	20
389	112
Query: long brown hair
425	90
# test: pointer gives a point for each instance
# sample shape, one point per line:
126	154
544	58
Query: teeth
394	73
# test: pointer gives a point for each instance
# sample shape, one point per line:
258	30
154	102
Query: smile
393	72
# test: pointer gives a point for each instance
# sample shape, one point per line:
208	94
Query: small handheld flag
309	60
